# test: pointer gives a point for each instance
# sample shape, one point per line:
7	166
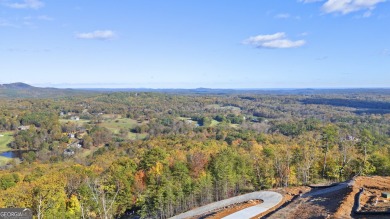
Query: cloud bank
273	41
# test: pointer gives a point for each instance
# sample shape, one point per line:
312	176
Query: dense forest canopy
105	155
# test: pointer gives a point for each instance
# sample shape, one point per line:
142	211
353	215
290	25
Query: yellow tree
49	198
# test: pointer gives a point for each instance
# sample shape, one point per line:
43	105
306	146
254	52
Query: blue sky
196	43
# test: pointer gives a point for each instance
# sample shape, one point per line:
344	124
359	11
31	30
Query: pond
13	154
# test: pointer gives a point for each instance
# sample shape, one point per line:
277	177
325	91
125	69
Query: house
71	135
24	127
76	118
68	152
255	120
351	138
76	145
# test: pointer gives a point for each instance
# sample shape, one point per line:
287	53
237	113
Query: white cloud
273	41
367	14
304	34
283	44
348	6
283	16
26	4
261	38
97	35
286	16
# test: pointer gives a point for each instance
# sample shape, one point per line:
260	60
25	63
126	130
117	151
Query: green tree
329	137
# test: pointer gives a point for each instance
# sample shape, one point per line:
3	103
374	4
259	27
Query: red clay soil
338	204
373	187
321	206
335	204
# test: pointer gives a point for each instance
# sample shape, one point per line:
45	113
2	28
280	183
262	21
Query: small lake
13	154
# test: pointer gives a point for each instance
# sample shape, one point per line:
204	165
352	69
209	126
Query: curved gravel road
270	199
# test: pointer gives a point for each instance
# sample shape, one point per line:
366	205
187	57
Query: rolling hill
22	90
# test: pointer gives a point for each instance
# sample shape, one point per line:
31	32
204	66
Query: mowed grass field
214	123
137	136
4	160
115	125
5	139
216	106
80	122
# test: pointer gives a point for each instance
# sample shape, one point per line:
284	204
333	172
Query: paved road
270	200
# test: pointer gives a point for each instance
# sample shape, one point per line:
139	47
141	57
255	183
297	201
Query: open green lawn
184	118
136	136
85	152
116	124
111	116
5	139
216	106
235	125
80	122
4	160
187	119
214	123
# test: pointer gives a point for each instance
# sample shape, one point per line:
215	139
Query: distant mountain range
276	91
22	90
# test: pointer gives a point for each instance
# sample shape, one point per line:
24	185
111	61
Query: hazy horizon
175	44
124	86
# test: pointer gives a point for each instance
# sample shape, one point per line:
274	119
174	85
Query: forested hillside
156	155
22	90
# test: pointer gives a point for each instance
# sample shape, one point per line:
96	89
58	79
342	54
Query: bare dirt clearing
338	201
335	202
373	187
